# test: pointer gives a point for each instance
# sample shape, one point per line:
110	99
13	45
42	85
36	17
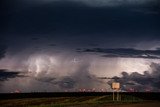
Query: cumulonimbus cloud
80	78
148	81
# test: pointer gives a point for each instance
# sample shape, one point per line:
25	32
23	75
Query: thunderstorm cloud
148	81
65	45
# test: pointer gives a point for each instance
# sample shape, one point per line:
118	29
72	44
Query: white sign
115	85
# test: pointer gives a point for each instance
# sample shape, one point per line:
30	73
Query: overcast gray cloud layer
124	52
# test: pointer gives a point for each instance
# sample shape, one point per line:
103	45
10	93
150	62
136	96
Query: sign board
116	85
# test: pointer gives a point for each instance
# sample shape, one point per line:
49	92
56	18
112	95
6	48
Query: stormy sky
66	45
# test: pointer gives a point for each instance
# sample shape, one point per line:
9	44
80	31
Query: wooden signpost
116	87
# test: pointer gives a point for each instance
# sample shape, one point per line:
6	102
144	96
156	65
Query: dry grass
83	101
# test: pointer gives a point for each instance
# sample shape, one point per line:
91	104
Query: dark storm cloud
124	52
70	24
35	38
3	48
5	74
141	82
73	19
57	27
52	45
98	2
67	83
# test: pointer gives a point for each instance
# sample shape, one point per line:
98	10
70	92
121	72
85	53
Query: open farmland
79	100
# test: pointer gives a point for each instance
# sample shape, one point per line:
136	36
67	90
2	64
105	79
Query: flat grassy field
79	101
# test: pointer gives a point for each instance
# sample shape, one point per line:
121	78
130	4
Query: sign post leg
117	96
113	95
